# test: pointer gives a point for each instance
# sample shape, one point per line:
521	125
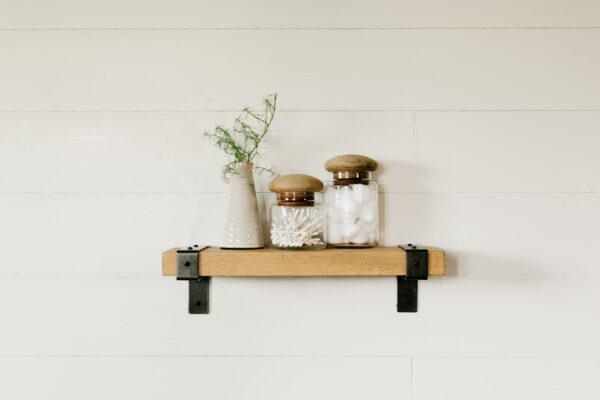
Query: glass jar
296	220
351	200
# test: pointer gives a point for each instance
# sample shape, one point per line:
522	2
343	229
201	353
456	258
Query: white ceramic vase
242	228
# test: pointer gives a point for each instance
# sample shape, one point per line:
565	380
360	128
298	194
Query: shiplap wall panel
458	316
314	69
506	378
483	234
507	151
501	234
167	152
113	233
90	199
226	378
292	14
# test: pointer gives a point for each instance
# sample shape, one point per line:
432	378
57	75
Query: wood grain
378	261
350	162
295	183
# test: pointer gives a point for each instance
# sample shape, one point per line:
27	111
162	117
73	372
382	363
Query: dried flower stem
242	142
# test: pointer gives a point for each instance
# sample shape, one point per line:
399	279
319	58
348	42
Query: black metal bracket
188	261
417	268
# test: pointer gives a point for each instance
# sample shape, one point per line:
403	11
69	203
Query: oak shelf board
377	261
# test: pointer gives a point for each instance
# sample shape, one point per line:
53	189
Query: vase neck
243	170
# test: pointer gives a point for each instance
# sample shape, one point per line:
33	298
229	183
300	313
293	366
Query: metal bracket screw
417	268
188	262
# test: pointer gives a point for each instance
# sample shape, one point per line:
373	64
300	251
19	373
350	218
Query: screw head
187	264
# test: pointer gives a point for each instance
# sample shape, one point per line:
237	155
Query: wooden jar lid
350	162
295	183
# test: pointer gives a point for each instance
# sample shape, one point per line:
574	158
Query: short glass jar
296	220
351	201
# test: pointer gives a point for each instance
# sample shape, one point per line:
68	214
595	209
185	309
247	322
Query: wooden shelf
378	261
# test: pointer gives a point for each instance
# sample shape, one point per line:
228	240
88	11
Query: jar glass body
297	222
351	200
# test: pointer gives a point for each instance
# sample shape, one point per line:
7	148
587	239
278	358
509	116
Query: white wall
484	115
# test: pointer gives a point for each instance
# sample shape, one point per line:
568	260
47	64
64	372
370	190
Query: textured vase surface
242	227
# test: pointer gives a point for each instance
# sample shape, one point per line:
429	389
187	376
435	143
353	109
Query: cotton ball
360	237
335	214
341	206
371	228
368	214
344	190
358	192
348	214
363	193
349	230
331	196
348	205
334	233
349	218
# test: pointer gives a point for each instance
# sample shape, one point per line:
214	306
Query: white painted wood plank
483	235
167	152
458	316
507	151
500	234
189	377
514	378
112	233
292	14
316	69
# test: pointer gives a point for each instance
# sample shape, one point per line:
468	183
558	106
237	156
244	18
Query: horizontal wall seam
299	28
302	356
591	192
325	110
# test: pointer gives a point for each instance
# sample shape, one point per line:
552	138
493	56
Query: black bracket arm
417	268
188	262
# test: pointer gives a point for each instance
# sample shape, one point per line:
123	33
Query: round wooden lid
295	183
350	162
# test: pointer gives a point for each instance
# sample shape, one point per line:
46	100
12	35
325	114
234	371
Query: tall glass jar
296	220
351	200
